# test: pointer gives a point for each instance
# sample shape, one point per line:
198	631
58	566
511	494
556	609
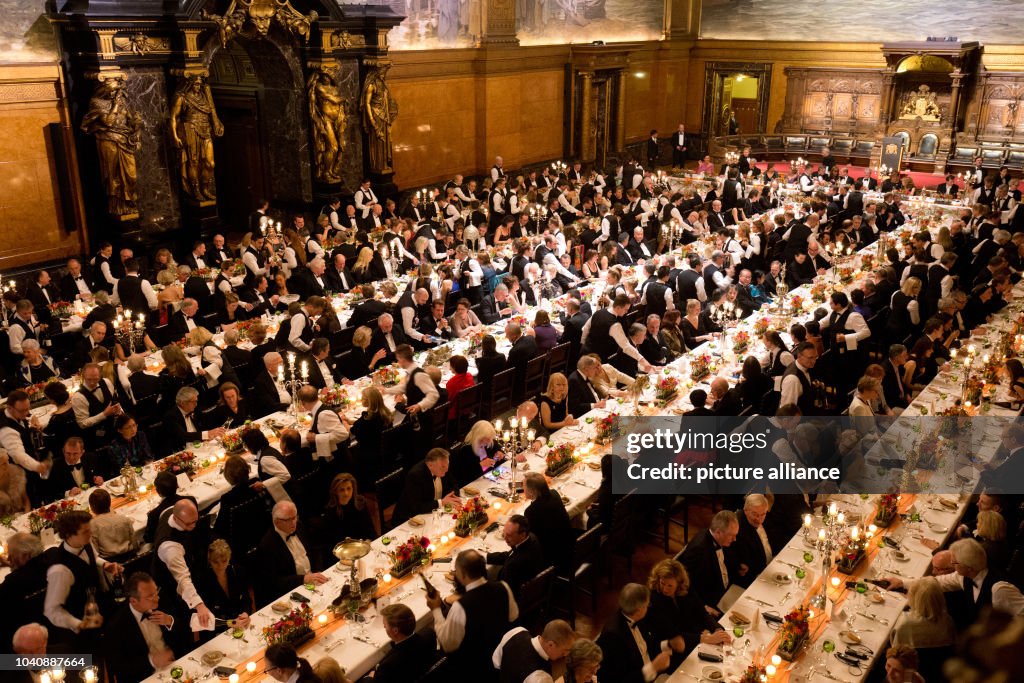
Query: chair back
389	490
587	547
558	359
534	596
467	410
439	437
502	385
533	383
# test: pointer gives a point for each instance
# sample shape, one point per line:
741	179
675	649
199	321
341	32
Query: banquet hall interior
514	341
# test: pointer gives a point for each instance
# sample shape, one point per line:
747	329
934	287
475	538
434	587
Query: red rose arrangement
412	552
178	463
290	626
46	517
795	627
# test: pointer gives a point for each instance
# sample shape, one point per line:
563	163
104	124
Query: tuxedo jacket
316	377
127	654
264	399
580	399
179	327
701	561
418	493
520	564
747	549
377	341
197	288
276	573
623	662
307	285
34	293
490	310
408	660
62	480
333	279
68	287
366	312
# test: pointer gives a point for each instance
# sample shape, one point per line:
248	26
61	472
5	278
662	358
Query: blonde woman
211	364
991	533
477	455
223	588
171	293
927	624
361	268
554	404
677	616
360	361
609	378
905	316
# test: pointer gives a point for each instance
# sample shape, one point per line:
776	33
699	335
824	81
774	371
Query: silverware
760	602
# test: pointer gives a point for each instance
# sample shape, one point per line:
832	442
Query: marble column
588	147
620	110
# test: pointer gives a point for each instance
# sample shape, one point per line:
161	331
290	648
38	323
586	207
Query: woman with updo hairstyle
285	665
360	362
62	424
675	612
224	588
582	662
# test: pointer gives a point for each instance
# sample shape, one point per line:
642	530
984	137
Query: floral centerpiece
954	421
232	441
520	320
753	674
666	388
559	459
476	340
793	633
439	355
846	274
45	517
472	515
761	325
334	397
607	429
206	274
990	373
740	341
35	391
61	309
386	376
178	463
928	451
409	555
887	509
700	367
243	327
867	262
797	302
292	629
851	554
819	292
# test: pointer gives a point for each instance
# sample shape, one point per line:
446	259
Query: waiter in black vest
327	430
797	385
76	586
679	147
176	559
603	334
134	293
475	622
16	437
843	330
95	405
518	656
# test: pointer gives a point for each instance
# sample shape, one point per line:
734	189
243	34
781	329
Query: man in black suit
196	258
338	276
166	486
236	356
267	397
524	349
748	556
652	149
800	271
583	395
218	252
679	147
322	370
42	293
726	401
74	283
704	558
698	399
897	395
181	423
139	637
313	280
198	289
436	324
493	307
411	654
639	248
1010	468
72	470
525	557
548	519
631	654
142	384
369	309
97	337
185	320
387	337
284	563
949	187
744	299
573	321
428	485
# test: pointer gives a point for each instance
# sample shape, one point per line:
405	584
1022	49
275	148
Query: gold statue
327	113
193	134
379	111
116	128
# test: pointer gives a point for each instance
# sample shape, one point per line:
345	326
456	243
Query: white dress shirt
297	550
425	384
151	633
451	630
331	431
10	440
80	404
298	326
172	554
854	322
616	333
59	581
792	389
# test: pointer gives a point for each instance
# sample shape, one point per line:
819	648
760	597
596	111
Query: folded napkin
196	626
745	616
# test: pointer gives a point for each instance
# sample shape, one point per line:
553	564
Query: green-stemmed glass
828	646
738	631
808	557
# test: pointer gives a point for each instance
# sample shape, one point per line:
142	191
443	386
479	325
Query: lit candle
832	509
531	434
387	578
770	670
305	370
89	675
496	505
322	619
514	423
835	582
841	518
821	534
142	489
444	538
497	425
431	548
855	533
776	660
250	667
233	678
807	520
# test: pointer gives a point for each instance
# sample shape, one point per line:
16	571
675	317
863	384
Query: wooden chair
558	359
502	387
621	540
439	426
533	382
586	558
467	410
389	490
534	598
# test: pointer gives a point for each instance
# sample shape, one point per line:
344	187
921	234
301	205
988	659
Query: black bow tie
146	615
75	468
290	536
78	278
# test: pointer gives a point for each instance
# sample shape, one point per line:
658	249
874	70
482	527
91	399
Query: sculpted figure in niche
116	128
194	124
379	111
327	114
921	104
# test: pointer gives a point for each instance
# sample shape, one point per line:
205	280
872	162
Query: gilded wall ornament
327	114
379	112
116	128
194	124
260	13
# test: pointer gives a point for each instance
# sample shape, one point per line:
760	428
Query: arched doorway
258	91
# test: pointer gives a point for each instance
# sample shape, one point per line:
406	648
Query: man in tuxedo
282	557
411	654
436	324
72	470
744	299
97	337
800	271
196	258
753	549
1010	468
184	321
949	187
726	402
338	276
969	585
493	307
525	557
679	147
428	485
369	309
236	356
413	211
704	558
631	654
639	248
259	217
166	487
197	289
267	396
652	150
181	423
386	337
524	349
322	370
716	218
218	252
74	283
42	293
139	635
896	394
313	280
583	396
143	384
573	320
